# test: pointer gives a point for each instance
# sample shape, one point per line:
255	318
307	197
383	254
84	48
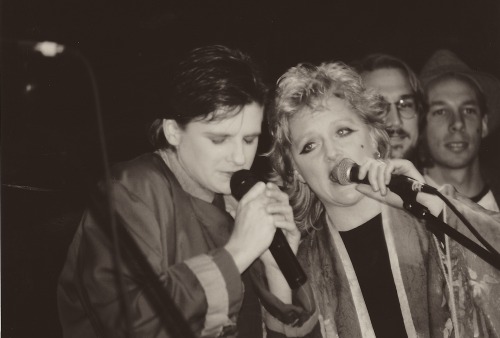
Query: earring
377	155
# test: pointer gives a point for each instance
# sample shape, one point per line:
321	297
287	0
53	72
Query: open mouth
456	146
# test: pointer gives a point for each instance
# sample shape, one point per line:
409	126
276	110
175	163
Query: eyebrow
407	96
306	135
402	97
468	102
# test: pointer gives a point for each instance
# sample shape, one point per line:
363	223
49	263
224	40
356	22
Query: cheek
306	168
434	129
412	125
251	150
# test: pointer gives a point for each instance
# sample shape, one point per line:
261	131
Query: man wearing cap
463	106
394	80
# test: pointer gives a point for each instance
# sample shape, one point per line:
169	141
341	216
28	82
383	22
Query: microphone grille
341	171
242	181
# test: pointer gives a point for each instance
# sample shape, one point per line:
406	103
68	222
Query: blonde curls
307	86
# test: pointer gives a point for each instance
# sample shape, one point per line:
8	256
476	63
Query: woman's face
321	139
211	151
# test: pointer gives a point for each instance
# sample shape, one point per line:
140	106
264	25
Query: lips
456	146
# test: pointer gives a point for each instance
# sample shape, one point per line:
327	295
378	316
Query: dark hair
424	157
377	61
210	83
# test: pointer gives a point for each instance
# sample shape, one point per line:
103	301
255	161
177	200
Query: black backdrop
50	151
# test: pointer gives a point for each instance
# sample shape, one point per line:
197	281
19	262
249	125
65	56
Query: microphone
240	183
346	172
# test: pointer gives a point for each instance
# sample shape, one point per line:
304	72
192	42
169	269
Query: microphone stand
438	227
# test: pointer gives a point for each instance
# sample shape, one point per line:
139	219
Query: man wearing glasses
399	86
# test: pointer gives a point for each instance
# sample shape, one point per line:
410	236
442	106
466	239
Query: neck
346	218
468	181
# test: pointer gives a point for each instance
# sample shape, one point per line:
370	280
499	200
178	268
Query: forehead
389	82
332	109
453	88
245	120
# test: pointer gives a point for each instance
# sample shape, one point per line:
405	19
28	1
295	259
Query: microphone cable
469	226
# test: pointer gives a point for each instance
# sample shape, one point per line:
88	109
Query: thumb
390	198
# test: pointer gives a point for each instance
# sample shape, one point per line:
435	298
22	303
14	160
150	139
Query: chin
224	189
347	195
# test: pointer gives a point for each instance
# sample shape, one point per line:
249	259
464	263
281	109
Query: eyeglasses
405	106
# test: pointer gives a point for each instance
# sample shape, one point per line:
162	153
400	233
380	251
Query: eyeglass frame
399	109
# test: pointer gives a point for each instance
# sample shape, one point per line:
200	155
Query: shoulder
490	173
136	168
143	175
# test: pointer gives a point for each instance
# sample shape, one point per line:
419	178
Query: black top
369	256
481	194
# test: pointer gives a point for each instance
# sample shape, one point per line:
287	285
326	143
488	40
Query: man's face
395	88
455	125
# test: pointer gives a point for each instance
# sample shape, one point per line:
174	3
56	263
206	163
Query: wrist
240	257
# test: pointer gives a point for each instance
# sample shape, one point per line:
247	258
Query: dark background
50	147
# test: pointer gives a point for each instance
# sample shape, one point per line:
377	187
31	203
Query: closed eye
218	139
251	140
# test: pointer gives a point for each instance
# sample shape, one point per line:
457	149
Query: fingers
253	193
273	191
278	208
378	174
389	198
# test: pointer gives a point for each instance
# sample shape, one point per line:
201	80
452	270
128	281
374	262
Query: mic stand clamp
417	209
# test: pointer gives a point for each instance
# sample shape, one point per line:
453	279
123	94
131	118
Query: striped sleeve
276	328
221	282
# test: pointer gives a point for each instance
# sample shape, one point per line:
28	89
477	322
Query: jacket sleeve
298	319
206	288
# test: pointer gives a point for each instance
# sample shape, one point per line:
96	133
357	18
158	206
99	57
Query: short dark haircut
209	80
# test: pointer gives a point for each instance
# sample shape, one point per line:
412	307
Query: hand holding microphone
376	177
243	188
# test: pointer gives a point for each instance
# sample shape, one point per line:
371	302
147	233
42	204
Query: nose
238	154
393	118
457	122
332	152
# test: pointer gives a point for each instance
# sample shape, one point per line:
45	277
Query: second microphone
241	182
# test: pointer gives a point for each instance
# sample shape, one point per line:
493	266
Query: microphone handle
400	184
286	260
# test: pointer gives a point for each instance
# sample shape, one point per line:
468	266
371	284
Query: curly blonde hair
305	87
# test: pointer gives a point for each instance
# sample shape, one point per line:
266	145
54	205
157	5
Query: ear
172	132
298	176
484	122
